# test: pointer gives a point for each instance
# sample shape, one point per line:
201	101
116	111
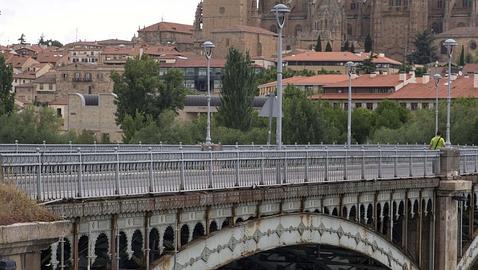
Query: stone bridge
373	207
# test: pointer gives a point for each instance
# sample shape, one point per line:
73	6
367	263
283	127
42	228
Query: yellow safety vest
437	142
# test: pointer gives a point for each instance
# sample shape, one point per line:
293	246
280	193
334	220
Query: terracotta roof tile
195	62
246	29
368	81
324	57
169	27
461	88
312	80
49	77
120	51
470	68
355	96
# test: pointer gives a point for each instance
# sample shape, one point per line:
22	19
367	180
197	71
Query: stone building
167	33
85	79
392	24
94	113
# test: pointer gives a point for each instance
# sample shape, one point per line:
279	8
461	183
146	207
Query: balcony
82	80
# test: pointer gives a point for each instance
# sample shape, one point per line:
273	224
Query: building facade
392	24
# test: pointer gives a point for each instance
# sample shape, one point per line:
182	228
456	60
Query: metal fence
49	176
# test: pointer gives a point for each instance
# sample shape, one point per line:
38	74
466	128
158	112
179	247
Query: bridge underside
306	257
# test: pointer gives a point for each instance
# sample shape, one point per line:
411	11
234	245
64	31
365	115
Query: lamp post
437	77
349	66
280	10
449	44
208	46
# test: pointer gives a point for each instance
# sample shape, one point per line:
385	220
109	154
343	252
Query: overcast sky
94	19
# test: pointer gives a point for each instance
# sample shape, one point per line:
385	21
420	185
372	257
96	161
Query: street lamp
208	46
280	10
449	44
437	77
349	66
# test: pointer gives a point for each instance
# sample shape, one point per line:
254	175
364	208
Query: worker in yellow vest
437	142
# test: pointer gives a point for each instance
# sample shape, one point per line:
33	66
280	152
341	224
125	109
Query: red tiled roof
246	29
312	80
25	75
470	68
17	61
368	81
169	27
120	51
380	59
460	88
49	57
195	62
49	77
324	57
159	50
355	96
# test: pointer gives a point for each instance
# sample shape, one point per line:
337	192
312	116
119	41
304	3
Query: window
41	86
88	76
77	76
425	105
403	104
222	10
50	86
58	112
370	106
414	106
358	105
473	45
440	4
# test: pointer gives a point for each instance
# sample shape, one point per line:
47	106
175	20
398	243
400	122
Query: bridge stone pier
419	220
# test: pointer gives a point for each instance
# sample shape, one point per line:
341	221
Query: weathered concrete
447	209
23	242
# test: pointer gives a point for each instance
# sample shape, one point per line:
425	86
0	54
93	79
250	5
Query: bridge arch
248	238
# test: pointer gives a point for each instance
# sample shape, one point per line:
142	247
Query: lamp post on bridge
208	47
437	77
280	10
449	44
349	66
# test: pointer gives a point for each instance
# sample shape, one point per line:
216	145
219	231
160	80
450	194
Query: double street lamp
208	46
280	10
350	66
449	44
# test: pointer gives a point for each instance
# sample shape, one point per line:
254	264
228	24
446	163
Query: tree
42	40
54	43
390	114
328	48
368	44
7	97
462	56
346	46
362	123
424	50
352	48
238	91
22	39
140	90
302	122
318	45
367	66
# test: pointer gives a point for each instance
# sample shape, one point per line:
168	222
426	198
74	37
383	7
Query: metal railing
50	176
99	148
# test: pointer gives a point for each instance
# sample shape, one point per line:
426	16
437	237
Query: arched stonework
268	233
470	257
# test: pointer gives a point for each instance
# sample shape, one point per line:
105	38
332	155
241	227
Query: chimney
402	77
475	80
426	78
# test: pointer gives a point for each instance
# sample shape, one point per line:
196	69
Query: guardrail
98	148
51	176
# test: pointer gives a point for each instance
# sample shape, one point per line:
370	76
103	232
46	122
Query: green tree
318	45
367	66
42	40
22	39
346	46
238	91
172	91
328	48
54	43
390	114
362	123
368	43
302	122
424	50
7	97
462	56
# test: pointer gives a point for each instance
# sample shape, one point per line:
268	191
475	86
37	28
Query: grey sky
94	19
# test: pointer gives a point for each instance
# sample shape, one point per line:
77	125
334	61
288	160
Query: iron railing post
209	184
345	163
150	175
395	161
80	174
306	176
410	164
425	162
284	180
363	164
262	167
181	170
326	176
38	176
117	174
379	162
236	176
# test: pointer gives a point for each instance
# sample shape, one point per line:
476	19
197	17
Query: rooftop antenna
162	17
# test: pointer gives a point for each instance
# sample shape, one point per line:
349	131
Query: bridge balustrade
52	176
